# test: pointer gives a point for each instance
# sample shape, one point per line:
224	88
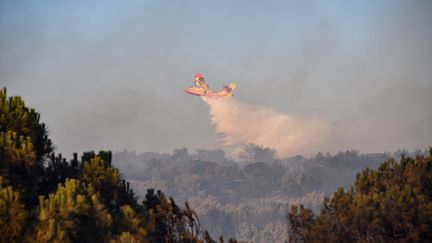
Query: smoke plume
241	123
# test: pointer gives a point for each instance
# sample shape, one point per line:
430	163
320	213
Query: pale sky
111	74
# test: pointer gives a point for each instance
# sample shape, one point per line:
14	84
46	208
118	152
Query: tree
24	145
74	213
255	153
132	226
168	222
300	221
390	204
13	215
46	198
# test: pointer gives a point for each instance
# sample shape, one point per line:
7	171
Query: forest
246	199
390	204
157	197
47	198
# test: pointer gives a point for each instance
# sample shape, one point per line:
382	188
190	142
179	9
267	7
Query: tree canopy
47	198
392	203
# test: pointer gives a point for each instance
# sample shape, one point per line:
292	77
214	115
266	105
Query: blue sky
111	74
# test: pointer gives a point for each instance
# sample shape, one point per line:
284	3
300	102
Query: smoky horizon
317	77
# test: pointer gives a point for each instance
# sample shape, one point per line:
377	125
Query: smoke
111	76
240	123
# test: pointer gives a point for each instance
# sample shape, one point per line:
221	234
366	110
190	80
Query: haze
111	74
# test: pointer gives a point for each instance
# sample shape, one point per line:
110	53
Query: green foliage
45	198
301	220
57	171
12	215
102	176
390	204
133	224
98	171
17	151
74	213
25	122
127	237
24	145
88	201
168	222
17	158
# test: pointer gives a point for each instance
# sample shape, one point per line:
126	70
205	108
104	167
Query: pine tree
24	145
74	213
12	215
393	203
132	225
46	198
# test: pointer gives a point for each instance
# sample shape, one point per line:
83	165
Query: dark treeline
246	199
46	198
220	176
228	180
390	204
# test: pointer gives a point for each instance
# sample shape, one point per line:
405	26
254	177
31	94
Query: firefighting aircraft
202	89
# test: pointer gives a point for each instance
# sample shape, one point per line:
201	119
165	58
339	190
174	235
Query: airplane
226	92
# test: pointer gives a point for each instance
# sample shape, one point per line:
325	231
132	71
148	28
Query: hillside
129	197
390	204
246	199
